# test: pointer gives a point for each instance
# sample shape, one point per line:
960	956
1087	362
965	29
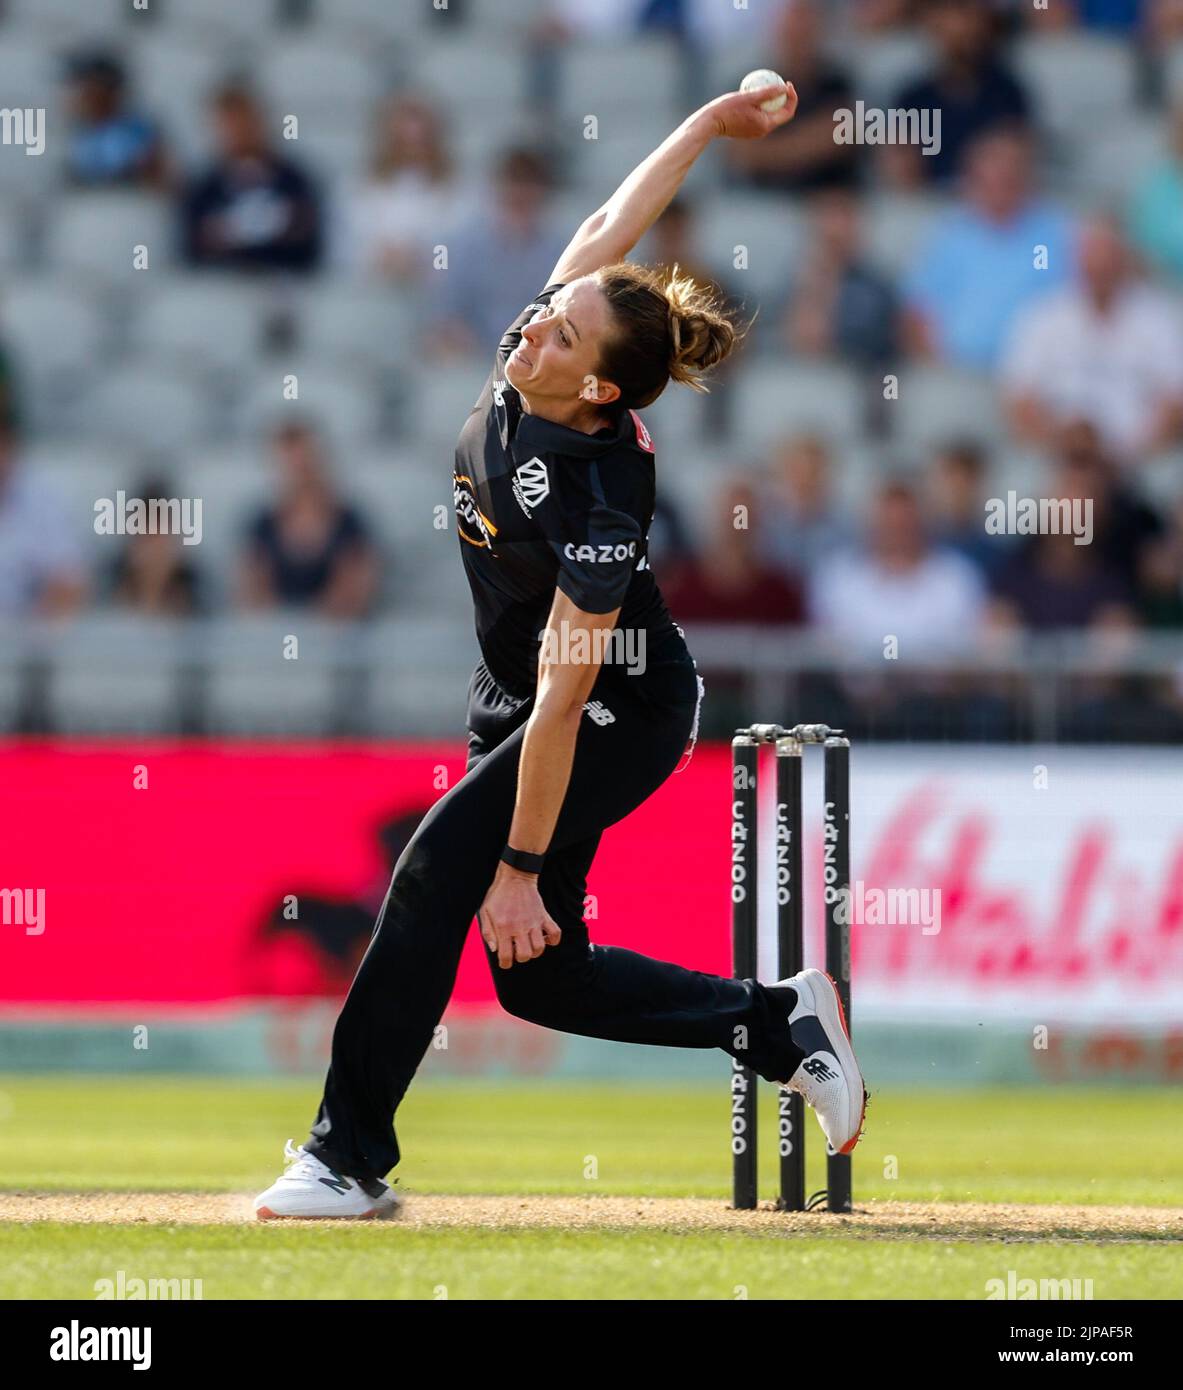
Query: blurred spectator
1164	21
971	88
152	575
9	405
1124	526
497	258
956	496
1156	215
1112	16
729	582
839	305
900	586
671	242
985	260
41	567
410	198
801	523
705	22
873	16
802	155
1052	583
669	546
1160	575
109	142
311	548
1108	350
253	209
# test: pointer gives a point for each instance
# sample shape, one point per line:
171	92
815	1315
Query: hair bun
701	334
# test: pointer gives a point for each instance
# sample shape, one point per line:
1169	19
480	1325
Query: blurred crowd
1069	307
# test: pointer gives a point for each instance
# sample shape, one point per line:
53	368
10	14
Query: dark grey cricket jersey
539	505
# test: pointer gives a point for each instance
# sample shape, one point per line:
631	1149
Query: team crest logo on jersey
643	437
531	485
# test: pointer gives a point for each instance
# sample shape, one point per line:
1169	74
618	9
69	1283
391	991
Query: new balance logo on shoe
337	1183
818	1069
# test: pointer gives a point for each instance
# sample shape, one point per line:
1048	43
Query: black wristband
523	860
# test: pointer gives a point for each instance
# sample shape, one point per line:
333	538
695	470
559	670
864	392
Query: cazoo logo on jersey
598	553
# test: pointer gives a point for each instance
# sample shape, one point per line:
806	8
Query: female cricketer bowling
554	495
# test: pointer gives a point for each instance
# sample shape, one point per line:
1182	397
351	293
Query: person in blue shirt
109	142
1155	219
996	251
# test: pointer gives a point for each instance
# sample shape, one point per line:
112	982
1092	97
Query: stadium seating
775	398
96	234
1080	82
120	372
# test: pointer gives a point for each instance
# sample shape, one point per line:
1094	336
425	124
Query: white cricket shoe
311	1189
829	1076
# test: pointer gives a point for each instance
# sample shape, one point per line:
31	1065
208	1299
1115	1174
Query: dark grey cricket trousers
630	739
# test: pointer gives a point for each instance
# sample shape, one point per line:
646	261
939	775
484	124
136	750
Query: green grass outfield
1092	1147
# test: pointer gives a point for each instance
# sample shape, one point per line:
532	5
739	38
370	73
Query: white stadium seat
370	21
896	227
253	688
307	77
200	320
495	17
51	324
236	19
623	140
331	150
12	238
766	229
399	498
59	19
419	676
675	419
349	322
1078	82
777	398
230	499
343	402
441	395
117	671
30	79
940	403
97	233
146	406
883	64
57	332
30	71
1114	160
173	81
600	79
468	73
80	477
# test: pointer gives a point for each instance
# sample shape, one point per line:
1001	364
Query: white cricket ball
765	77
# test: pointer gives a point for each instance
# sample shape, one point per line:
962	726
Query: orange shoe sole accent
266	1214
858	1134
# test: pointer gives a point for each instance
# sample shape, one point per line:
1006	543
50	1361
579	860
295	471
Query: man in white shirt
1108	349
41	568
898	587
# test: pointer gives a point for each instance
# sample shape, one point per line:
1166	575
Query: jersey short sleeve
597	537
